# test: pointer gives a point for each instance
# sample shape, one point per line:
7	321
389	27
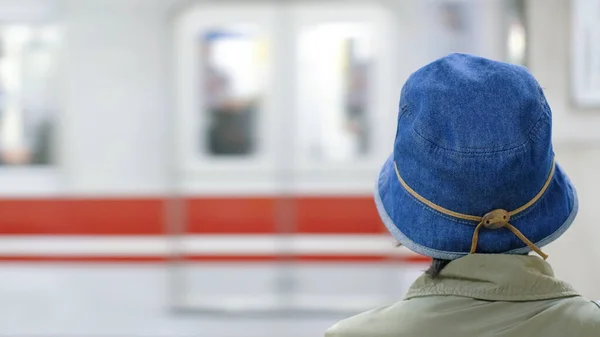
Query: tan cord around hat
493	220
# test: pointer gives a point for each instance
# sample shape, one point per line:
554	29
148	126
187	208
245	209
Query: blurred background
205	168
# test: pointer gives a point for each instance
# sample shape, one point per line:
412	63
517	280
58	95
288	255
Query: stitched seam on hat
534	132
403	110
476	151
470	153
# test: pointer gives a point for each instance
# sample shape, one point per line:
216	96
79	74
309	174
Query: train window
334	90
233	67
28	97
226	110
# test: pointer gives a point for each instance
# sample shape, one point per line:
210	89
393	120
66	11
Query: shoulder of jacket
592	321
582	306
370	323
585	312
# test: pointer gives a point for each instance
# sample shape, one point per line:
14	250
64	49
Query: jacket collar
494	277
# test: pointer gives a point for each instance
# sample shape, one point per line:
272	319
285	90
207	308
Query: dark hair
437	265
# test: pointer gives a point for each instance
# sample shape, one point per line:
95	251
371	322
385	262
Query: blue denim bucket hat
473	167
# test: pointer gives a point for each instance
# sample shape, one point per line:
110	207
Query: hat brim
431	233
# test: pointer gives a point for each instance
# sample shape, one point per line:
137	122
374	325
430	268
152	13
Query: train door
342	96
222	210
277	107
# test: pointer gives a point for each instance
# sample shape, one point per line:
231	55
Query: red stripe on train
146	216
218	259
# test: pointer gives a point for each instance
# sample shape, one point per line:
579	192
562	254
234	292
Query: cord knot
496	219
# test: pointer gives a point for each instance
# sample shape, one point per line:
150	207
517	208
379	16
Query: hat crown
474	134
469	104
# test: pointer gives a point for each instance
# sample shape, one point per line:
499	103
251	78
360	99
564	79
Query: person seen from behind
473	183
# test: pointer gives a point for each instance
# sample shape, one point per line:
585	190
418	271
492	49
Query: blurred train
251	131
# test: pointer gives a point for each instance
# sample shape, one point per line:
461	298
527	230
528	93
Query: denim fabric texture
473	135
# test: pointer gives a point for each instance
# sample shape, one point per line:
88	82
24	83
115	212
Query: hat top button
496	219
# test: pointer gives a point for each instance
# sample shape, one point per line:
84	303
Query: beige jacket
482	295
